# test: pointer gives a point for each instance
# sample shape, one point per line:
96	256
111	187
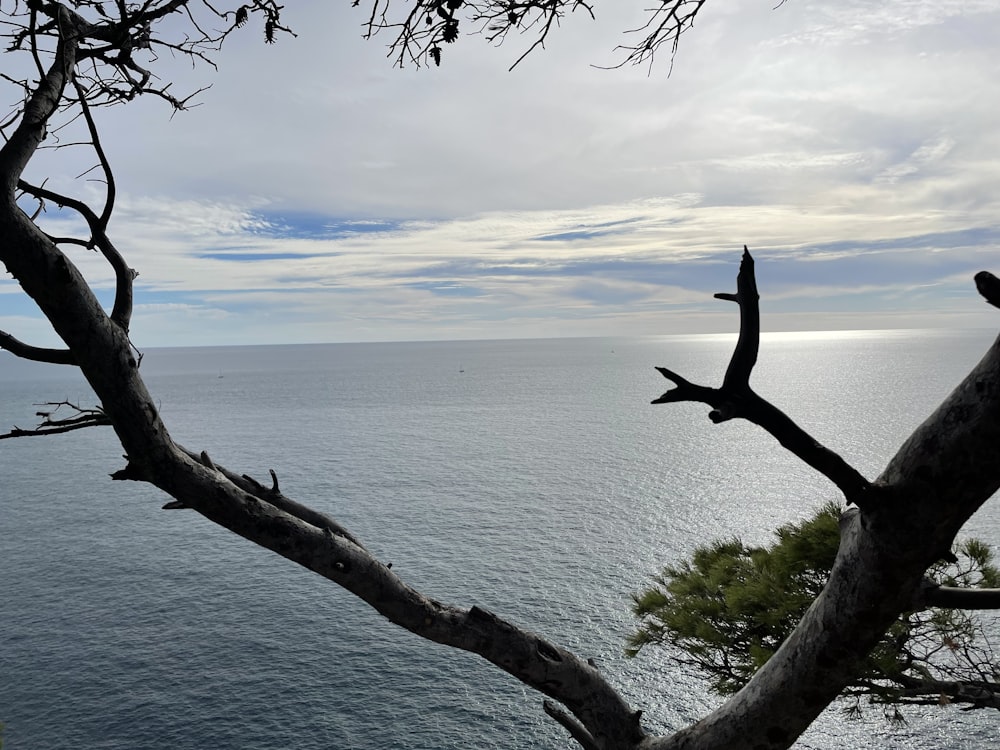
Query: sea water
532	478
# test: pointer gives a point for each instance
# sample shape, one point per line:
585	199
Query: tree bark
941	475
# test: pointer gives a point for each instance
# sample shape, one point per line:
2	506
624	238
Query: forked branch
50	425
664	26
736	399
422	29
121	312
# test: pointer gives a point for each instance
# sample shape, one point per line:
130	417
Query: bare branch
735	399
121	312
932	692
420	34
665	26
988	286
82	418
428	24
35	353
747	345
953	597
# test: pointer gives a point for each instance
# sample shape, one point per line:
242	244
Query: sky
319	194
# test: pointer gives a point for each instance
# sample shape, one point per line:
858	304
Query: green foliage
728	609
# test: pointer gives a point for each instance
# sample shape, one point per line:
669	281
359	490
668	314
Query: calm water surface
532	478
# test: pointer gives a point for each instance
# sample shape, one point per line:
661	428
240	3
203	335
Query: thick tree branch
274	496
332	554
988	286
940	476
954	597
43	102
747	345
35	353
736	399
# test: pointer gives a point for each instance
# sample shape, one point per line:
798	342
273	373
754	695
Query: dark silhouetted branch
748	343
735	399
35	353
954	597
988	286
49	426
121	312
665	25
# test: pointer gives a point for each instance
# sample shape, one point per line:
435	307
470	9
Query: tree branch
955	597
538	663
929	692
44	100
274	496
747	345
48	426
988	286
121	312
665	26
736	399
35	353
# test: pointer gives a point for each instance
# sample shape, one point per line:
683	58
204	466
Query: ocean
532	478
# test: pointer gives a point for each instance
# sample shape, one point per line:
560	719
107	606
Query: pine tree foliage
727	609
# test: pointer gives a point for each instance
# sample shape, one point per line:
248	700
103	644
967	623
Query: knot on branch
547	651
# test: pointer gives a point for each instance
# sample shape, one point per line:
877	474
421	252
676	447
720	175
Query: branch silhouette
736	399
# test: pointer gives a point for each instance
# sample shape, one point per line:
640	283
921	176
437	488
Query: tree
730	607
87	54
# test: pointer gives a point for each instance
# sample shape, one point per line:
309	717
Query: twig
48	426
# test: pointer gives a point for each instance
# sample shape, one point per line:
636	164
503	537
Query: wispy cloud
852	146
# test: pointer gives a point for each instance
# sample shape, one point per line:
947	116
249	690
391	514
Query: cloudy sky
319	194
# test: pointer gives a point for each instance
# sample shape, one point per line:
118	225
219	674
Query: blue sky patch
592	231
448	289
320	226
250	257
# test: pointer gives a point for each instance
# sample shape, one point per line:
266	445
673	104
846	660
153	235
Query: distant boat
461	369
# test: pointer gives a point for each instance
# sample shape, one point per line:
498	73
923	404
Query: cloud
927	154
320	195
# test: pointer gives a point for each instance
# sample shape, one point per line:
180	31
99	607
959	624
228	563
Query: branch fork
736	399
